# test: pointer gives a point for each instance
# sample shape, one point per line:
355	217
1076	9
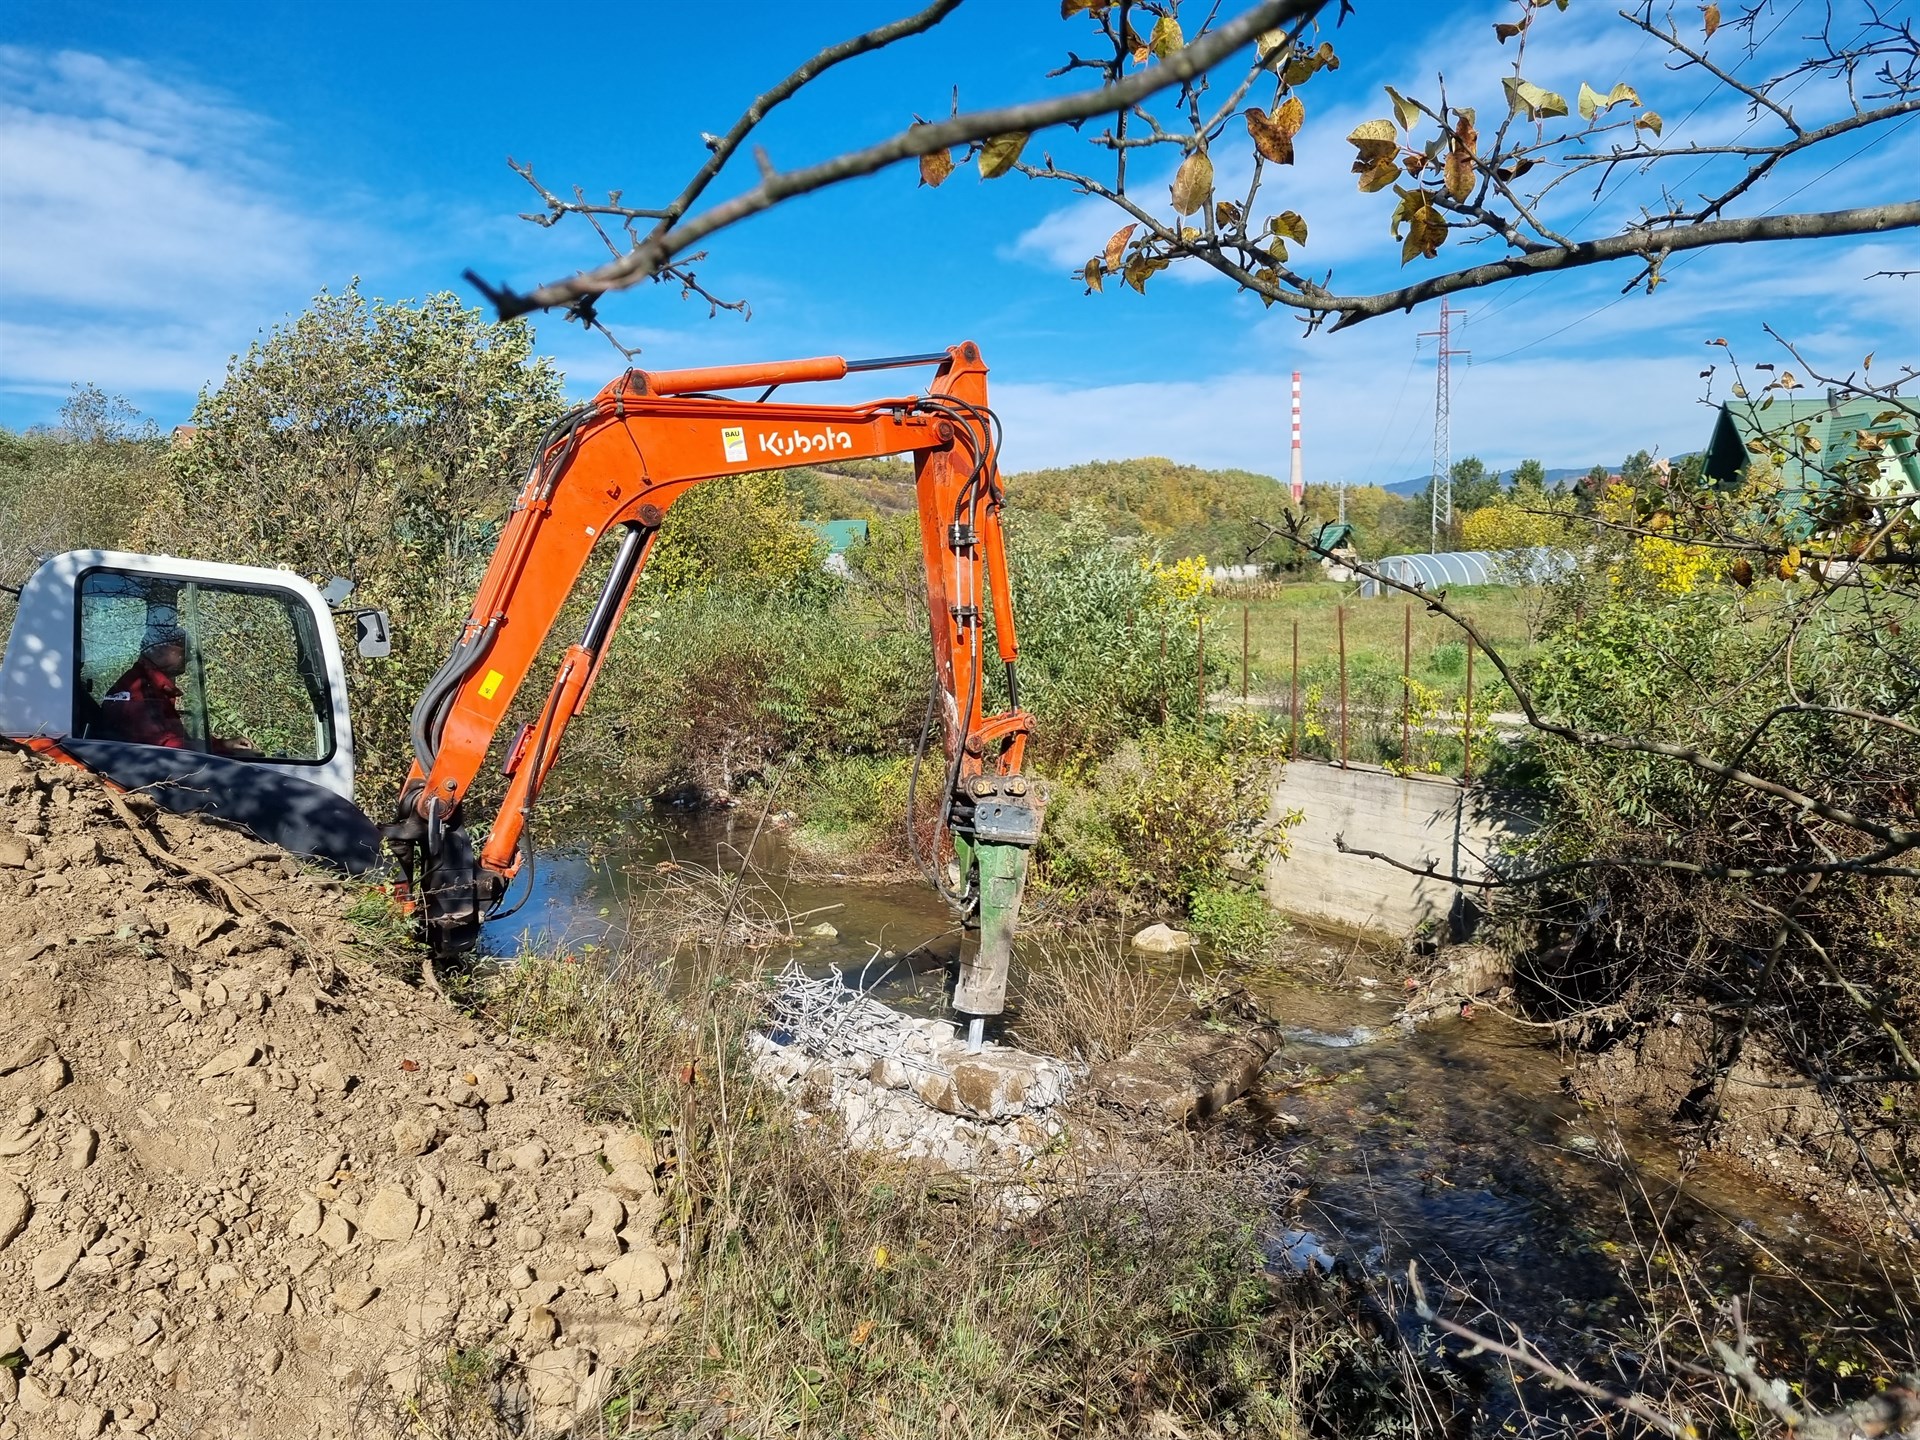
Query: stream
1457	1146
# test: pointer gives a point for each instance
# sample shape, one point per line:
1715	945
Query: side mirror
374	634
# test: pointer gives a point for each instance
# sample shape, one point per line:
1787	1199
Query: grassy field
1377	642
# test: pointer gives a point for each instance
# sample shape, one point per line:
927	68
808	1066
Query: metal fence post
1200	680
1466	734
1293	744
1163	672
1246	626
1406	691
1340	620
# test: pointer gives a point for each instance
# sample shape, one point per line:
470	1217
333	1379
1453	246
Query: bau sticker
734	438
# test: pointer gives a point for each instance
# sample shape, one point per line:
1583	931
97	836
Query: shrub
1236	921
1167	815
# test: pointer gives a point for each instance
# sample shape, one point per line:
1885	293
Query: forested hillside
1188	510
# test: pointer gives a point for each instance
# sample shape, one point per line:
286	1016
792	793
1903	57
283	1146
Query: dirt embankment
252	1186
1756	1108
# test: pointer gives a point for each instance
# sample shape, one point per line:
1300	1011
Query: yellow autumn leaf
999	154
1289	224
1289	115
1268	139
1192	183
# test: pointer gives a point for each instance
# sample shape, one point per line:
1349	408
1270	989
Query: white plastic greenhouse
1469	567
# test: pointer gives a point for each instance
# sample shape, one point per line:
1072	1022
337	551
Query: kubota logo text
805	442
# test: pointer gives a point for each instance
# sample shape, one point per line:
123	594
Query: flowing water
1458	1146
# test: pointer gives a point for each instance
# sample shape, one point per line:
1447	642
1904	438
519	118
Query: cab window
226	669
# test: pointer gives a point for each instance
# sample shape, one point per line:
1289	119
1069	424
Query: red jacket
144	706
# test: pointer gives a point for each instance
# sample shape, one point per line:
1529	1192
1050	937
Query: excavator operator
143	705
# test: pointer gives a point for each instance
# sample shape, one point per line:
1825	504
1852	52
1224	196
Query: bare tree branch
678	234
1641	244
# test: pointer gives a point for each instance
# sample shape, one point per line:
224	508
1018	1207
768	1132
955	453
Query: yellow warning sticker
733	439
491	685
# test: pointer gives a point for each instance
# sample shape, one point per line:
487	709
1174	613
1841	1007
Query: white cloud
146	236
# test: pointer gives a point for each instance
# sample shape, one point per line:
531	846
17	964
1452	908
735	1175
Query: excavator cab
213	688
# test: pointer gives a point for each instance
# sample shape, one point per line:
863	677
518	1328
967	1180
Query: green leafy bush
1236	921
1170	814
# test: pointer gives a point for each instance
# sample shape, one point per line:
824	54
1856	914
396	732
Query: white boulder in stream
1162	939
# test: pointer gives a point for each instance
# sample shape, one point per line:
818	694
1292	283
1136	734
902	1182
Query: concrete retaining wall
1412	819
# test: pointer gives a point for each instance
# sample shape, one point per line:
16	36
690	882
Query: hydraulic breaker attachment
1007	815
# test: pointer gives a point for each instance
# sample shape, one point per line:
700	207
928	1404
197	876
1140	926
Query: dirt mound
250	1185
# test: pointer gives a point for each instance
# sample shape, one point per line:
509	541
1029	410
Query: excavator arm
616	465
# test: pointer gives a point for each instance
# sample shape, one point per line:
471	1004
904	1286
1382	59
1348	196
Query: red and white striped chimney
1299	478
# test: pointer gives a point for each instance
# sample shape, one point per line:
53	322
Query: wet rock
823	931
1195	1069
1162	939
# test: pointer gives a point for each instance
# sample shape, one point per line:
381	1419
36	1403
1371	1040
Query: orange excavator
607	471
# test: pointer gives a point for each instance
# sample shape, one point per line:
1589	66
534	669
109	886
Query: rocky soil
251	1185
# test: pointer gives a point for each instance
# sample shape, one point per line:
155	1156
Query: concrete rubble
906	1084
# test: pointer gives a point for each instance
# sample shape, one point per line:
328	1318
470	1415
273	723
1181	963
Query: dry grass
832	1293
1092	1000
835	1293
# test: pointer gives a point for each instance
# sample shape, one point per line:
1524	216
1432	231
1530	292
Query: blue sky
176	178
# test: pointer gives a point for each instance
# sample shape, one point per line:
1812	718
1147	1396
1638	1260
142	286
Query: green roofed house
1820	444
839	536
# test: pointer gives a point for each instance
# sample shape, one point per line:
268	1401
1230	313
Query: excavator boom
617	465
